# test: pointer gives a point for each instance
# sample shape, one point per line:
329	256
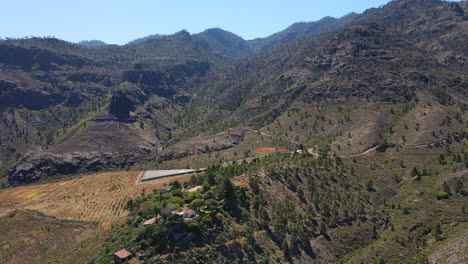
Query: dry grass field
96	198
28	237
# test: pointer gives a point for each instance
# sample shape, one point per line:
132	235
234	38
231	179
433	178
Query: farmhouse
186	213
121	256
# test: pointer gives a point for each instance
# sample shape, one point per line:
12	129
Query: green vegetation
300	198
217	206
382	147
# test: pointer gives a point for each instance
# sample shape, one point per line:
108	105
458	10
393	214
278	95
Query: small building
186	213
151	221
121	256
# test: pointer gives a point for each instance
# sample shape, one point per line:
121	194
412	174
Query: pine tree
374	232
436	232
322	228
445	187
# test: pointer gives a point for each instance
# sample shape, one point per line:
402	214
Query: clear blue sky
120	21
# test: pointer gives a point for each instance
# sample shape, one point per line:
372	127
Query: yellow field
98	197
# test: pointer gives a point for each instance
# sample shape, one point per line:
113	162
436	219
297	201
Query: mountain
226	47
353	58
55	93
223	44
348	63
337	141
92	43
41	74
301	29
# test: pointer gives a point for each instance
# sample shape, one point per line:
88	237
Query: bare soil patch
265	151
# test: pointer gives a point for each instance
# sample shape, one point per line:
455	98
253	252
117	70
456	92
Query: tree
168	209
442	159
374	232
146	209
194	195
458	187
210	178
228	192
370	186
322	228
436	232
175	185
211	204
285	247
414	172
445	187
197	204
380	260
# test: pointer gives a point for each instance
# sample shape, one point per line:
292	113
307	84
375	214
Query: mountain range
378	100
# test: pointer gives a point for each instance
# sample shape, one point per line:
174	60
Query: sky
120	21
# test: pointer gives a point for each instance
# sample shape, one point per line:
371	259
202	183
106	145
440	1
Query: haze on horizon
119	22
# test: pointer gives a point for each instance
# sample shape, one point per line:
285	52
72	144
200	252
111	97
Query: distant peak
219	32
215	29
350	14
183	32
92	43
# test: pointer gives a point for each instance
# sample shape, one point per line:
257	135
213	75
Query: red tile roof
186	210
123	253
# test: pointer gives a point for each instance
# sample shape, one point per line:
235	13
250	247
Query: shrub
211	204
12	214
207	220
194	195
146	208
176	200
404	210
383	146
442	195
197	204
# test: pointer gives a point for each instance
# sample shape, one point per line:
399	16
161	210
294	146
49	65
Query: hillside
57	96
336	141
342	60
300	209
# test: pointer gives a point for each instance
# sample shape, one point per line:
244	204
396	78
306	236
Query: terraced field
96	198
